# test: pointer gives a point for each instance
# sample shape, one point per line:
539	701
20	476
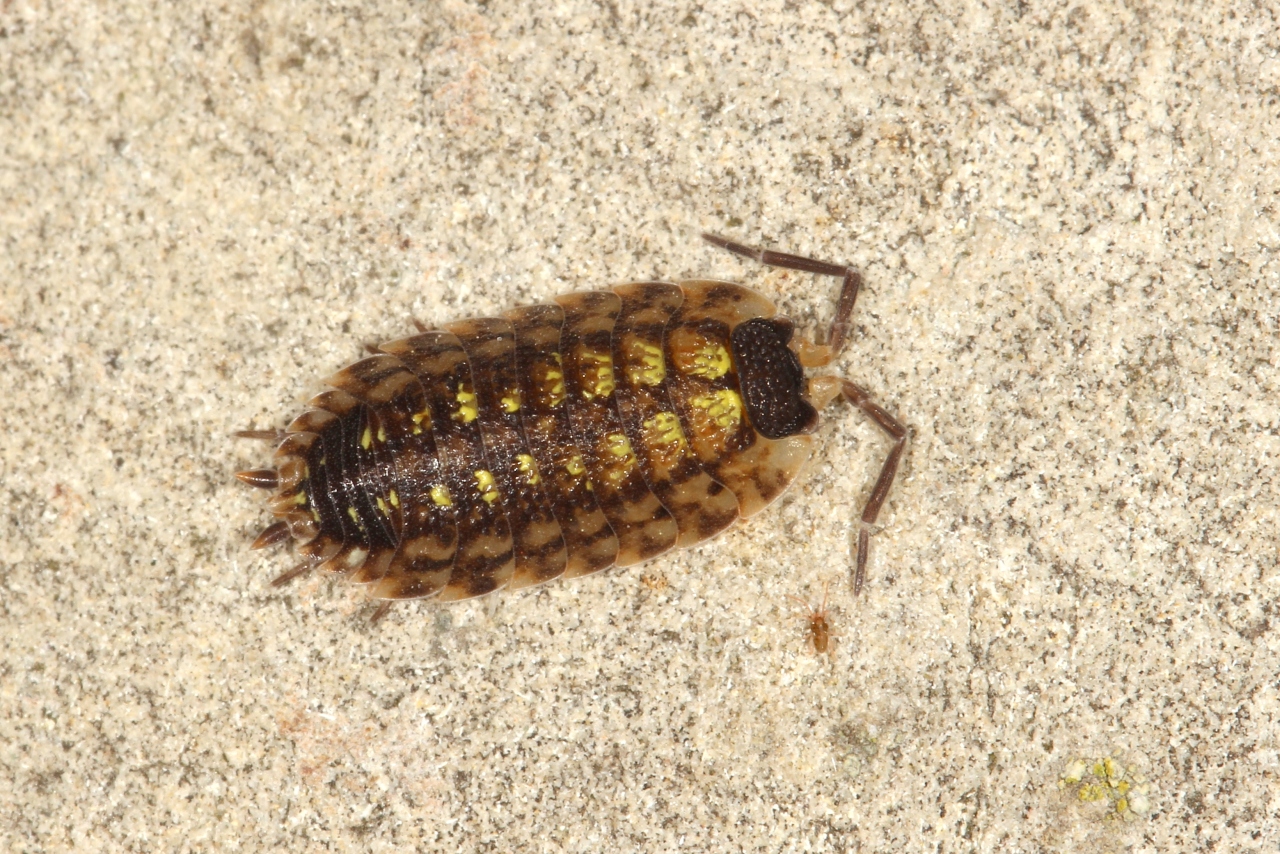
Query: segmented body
561	439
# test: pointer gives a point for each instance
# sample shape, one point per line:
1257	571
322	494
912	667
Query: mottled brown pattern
540	552
643	526
590	540
560	440
700	505
755	468
484	560
379	383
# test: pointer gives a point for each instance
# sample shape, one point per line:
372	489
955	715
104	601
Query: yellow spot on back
366	438
300	498
664	428
382	434
553	382
467	411
511	401
440	495
575	466
649	368
488	489
418	421
620	447
382	507
597	374
351	511
394	499
710	361
724	407
528	467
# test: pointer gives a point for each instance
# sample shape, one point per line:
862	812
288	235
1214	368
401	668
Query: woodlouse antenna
837	337
852	280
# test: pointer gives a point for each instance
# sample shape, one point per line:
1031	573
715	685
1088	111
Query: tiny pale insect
561	439
819	625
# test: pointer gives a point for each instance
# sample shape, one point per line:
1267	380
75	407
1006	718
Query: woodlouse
560	439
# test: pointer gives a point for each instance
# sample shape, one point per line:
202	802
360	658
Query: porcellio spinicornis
560	439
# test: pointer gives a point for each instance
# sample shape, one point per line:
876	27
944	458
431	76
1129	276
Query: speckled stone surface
1067	219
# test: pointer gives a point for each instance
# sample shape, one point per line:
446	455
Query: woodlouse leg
285	577
838	335
859	398
260	478
384	608
274	533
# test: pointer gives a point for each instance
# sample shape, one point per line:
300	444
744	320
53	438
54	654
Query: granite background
1066	214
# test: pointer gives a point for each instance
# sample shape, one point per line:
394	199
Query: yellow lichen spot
366	438
382	434
1090	792
1108	780
485	483
649	368
511	401
393	498
1075	772
597	374
382	507
724	407
664	429
467	410
574	466
710	361
529	468
440	495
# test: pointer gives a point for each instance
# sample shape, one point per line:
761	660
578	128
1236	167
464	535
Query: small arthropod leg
851	283
859	398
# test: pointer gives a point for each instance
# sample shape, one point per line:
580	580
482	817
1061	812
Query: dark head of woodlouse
772	378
